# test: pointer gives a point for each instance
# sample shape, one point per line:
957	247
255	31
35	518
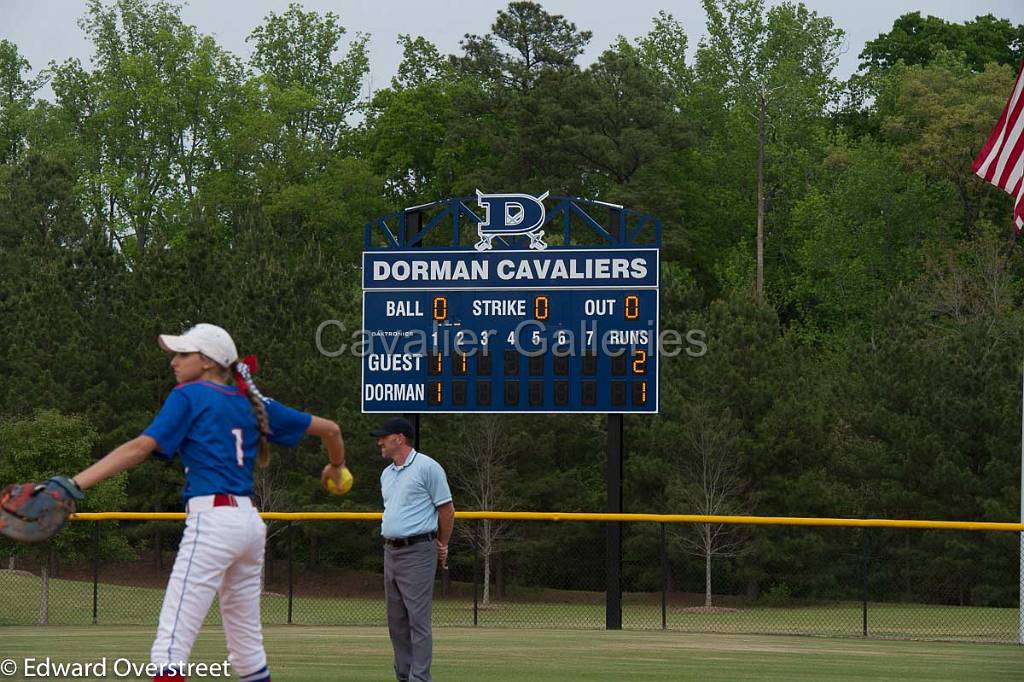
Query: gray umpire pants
409	591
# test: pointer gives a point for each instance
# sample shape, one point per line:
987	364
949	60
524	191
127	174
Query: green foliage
865	231
778	594
313	93
943	112
408	135
917	40
525	43
47	444
16	91
522	67
785	54
141	123
625	125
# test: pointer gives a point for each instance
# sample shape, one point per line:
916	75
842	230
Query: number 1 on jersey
239	453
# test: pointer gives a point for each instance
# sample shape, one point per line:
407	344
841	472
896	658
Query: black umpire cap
394	425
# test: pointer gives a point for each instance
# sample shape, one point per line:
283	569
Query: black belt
411	540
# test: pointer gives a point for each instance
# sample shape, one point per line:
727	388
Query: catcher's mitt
34	512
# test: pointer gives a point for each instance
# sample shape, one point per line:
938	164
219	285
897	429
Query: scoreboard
559	330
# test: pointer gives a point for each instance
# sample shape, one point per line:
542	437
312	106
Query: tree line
170	181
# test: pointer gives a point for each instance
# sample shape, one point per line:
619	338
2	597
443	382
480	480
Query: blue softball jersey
213	428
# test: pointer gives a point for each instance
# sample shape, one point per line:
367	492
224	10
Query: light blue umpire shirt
412	493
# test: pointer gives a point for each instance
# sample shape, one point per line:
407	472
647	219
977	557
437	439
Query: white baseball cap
208	339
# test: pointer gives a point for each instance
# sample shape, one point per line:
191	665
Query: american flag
1001	161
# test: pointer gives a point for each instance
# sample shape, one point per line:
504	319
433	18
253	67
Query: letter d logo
511	215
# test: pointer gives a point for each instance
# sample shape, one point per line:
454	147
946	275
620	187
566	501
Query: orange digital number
639	362
632	307
541	307
440	308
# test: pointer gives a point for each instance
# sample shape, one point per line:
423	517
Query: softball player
220	430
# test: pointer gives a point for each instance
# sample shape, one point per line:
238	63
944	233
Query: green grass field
312	654
71	604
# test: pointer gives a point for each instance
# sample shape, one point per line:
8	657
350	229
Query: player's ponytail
243	374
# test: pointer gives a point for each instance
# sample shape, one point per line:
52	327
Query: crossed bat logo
511	215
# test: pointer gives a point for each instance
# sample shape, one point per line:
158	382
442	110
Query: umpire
418	520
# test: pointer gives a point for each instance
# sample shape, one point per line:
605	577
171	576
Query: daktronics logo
511	215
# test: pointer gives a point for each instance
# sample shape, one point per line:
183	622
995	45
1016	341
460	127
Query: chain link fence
892	583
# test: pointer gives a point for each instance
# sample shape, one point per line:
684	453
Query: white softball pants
221	553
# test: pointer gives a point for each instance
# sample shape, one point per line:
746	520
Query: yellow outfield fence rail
876	578
600	517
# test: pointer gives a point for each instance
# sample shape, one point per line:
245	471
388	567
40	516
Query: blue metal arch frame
630	226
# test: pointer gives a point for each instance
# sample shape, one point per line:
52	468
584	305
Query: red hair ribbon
253	365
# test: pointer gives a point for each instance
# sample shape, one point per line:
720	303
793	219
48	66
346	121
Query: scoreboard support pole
414	419
613	480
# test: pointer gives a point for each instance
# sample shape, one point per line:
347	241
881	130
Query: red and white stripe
1001	160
